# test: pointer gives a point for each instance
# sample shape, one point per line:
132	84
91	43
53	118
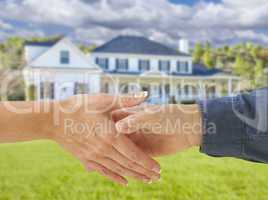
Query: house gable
52	57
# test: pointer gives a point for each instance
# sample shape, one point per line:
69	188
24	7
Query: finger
127	148
134	122
107	150
129	100
122	171
76	151
130	165
124	112
117	115
107	173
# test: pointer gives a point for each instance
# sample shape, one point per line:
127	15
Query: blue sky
96	21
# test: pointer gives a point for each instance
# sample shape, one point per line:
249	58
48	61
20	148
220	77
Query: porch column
117	87
182	97
218	89
202	90
229	87
173	90
163	97
37	85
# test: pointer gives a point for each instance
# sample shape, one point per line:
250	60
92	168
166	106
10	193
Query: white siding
51	58
134	60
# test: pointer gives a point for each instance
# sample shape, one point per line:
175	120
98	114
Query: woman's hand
161	130
86	130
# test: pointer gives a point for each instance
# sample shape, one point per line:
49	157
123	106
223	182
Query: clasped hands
117	137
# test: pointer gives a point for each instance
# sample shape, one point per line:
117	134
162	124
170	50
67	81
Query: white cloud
5	26
99	20
251	35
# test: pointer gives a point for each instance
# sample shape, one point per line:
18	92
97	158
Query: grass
41	171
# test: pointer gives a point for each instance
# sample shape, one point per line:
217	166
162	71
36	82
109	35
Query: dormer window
122	64
64	57
144	65
182	67
164	65
103	63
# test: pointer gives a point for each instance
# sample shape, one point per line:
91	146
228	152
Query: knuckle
120	170
131	164
102	148
104	171
134	156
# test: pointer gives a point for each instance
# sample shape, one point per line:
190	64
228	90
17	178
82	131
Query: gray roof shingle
137	45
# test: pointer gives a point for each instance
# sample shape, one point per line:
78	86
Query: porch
170	89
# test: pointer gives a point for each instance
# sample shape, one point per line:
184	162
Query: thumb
133	123
129	100
106	102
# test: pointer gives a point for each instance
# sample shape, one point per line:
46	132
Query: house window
123	88
103	63
64	57
42	90
80	88
179	90
47	90
51	90
106	88
182	67
144	65
164	65
167	89
187	90
122	64
146	88
211	91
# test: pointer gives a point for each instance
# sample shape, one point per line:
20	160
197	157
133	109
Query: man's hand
87	131
161	130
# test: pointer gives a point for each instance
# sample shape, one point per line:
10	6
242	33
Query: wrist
24	121
43	119
195	119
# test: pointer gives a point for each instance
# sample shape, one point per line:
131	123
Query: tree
87	49
239	65
208	59
259	78
207	46
198	53
255	51
219	62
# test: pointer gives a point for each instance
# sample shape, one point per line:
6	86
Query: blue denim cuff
223	130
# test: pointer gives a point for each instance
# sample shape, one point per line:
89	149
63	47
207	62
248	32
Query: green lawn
41	170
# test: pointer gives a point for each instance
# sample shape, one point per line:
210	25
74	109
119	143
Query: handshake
117	137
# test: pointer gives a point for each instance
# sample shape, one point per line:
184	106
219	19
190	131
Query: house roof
198	70
42	43
137	45
201	70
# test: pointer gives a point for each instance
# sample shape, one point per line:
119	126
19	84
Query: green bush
31	92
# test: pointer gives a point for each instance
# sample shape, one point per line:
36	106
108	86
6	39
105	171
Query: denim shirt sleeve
236	126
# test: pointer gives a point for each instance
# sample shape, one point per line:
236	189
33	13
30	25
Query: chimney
184	46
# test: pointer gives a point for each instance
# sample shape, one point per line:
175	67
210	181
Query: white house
59	69
125	64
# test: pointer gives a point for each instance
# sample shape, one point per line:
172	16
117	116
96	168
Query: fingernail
147	180
155	177
121	125
143	94
157	169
